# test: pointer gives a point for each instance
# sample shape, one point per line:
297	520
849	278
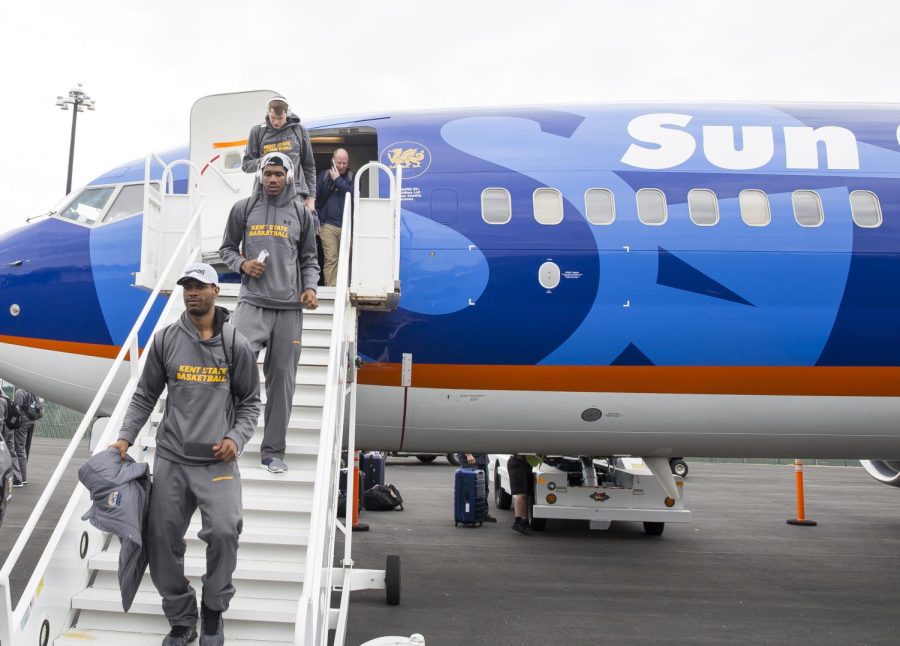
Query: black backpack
35	408
14	414
383	498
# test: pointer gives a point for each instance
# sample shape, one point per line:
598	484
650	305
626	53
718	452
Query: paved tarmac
45	455
738	574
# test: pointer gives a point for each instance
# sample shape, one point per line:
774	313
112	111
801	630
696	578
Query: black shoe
489	519
212	630
180	636
522	527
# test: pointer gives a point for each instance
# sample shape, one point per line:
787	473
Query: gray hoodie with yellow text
213	391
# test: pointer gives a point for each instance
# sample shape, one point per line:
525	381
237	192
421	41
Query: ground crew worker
211	412
270	239
281	132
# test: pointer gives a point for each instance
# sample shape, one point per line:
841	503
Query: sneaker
18	483
273	465
522	527
489	519
180	636
209	617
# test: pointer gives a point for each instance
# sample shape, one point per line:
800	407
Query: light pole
80	101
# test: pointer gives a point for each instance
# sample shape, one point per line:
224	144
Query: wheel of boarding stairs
654	529
392	580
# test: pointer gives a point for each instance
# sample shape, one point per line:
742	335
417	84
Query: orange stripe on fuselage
230	144
70	347
713	380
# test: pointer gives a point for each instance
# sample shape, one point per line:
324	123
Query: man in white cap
270	240
211	412
282	132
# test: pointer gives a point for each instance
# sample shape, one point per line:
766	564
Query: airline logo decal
414	158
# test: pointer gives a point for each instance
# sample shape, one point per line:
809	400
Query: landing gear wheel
392	580
427	459
679	467
452	459
654	529
502	499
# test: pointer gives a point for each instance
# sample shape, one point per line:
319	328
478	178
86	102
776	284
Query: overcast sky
145	63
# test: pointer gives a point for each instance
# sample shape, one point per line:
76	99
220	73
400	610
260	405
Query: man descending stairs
276	517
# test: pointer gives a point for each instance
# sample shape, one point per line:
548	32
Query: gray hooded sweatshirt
213	391
292	139
285	228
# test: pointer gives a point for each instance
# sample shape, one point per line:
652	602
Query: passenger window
87	206
496	206
129	201
807	208
651	206
548	206
866	209
703	207
599	206
755	210
232	161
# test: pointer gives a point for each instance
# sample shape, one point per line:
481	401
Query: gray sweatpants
23	448
279	332
177	491
8	436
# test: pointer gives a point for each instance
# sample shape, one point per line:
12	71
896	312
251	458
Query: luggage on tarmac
372	464
342	492
470	507
383	498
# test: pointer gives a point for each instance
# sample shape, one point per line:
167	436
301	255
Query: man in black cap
270	240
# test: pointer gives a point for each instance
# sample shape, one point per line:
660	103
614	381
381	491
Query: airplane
625	279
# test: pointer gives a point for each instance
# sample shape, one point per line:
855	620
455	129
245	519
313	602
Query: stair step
293	447
148	603
196	566
76	637
252	589
129	628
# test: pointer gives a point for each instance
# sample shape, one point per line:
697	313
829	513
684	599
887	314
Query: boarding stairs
286	574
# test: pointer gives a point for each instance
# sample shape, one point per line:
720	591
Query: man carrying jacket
270	240
211	412
281	132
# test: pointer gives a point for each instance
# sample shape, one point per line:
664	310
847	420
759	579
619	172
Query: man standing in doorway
334	185
211	412
270	240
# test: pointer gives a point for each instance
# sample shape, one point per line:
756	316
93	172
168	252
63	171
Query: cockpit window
88	205
129	201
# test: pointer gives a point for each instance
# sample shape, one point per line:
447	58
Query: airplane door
219	127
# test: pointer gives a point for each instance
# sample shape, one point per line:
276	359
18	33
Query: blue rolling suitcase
470	505
372	465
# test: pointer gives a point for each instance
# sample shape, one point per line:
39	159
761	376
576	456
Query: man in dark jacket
211	412
281	132
270	240
32	409
333	185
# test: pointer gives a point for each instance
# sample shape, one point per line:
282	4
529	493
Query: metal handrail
129	347
311	626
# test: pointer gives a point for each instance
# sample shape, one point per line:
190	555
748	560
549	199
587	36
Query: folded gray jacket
121	494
